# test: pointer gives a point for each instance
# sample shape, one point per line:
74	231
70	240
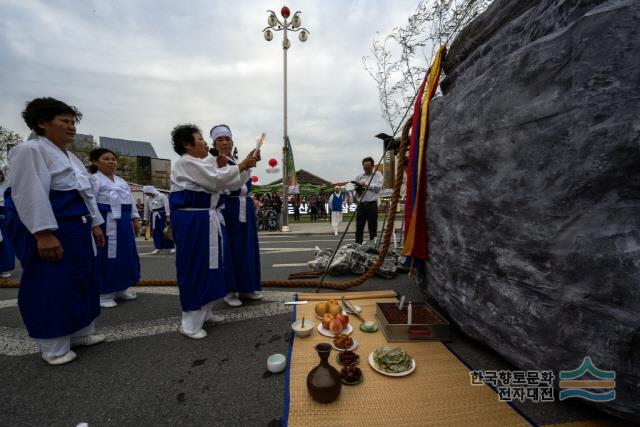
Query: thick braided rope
404	141
386	237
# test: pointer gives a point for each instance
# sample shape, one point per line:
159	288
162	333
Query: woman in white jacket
203	262
52	214
118	261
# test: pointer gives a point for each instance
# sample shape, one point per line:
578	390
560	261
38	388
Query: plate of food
351	375
344	342
327	332
347	358
331	307
392	361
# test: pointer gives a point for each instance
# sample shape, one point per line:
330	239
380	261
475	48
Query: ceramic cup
276	363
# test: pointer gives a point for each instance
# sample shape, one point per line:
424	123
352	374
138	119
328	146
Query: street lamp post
276	25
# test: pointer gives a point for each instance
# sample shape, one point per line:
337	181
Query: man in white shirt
367	211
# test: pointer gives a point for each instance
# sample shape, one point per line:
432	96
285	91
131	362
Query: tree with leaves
8	139
400	60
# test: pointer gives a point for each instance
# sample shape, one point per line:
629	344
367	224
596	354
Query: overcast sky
137	68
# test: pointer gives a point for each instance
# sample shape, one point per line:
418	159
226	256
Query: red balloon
273	163
254	178
285	11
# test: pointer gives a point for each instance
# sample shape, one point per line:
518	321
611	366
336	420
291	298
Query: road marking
268	251
265	251
16	342
299	264
306	240
8	303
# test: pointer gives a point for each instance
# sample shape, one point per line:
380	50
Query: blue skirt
117	274
156	231
198	284
243	242
57	298
7	256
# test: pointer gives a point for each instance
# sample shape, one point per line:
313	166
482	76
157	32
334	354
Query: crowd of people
73	228
321	207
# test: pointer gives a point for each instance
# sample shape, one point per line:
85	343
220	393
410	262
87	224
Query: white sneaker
197	336
214	318
5	275
87	340
173	251
125	296
255	295
232	300
70	356
108	303
155	251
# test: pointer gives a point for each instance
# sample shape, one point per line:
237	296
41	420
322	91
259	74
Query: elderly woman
7	257
118	261
203	264
240	222
52	214
156	216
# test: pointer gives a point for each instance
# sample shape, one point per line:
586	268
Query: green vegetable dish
391	359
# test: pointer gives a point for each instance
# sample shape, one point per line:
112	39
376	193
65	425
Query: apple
326	319
344	319
335	326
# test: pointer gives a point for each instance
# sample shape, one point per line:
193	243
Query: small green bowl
363	328
354	382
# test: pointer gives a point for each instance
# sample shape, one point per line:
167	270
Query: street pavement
147	374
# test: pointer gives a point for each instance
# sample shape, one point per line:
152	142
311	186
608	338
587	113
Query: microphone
216	153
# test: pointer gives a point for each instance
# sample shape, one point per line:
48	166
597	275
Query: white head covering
218	131
149	189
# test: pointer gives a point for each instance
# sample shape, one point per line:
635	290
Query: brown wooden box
434	327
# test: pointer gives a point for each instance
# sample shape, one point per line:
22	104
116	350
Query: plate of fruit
351	375
344	342
331	307
348	358
336	328
332	326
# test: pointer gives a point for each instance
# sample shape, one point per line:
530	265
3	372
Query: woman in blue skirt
203	265
240	221
7	257
156	216
53	220
118	261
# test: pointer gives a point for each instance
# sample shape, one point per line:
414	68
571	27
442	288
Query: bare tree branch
398	76
8	139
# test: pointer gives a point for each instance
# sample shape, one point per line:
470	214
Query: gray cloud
138	68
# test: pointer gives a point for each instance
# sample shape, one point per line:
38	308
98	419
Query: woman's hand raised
248	162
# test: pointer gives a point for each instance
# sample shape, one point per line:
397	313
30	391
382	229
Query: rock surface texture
533	170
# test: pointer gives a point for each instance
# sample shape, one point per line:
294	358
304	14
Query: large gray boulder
534	187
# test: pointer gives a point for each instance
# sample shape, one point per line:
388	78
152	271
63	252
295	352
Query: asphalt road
147	374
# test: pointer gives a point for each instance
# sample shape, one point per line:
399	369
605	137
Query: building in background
138	162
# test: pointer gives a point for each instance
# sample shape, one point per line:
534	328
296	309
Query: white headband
218	131
149	189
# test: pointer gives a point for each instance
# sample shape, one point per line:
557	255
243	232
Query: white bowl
276	363
299	330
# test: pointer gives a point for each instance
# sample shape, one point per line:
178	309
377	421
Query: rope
404	141
6	283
